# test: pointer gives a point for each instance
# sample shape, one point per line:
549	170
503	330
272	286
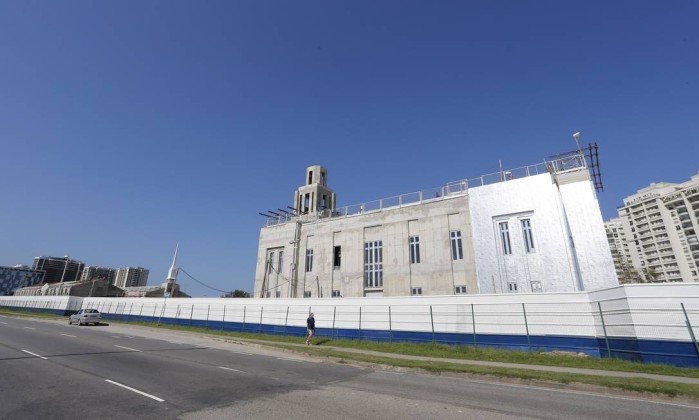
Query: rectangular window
414	250
505	238
460	290
416	291
307	294
528	235
309	260
512	287
336	293
373	264
337	256
536	287
280	262
457	252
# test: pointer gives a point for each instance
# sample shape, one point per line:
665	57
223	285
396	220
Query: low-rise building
97	287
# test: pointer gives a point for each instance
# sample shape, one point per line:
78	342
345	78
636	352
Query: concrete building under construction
532	229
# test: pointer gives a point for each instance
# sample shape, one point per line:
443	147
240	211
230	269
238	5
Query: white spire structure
174	270
171	280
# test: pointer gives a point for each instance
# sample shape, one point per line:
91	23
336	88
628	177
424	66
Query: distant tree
651	274
631	275
237	293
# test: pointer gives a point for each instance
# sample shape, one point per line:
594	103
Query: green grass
438	350
629	384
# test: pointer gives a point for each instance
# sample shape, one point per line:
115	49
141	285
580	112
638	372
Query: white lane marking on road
1	322
291	360
135	390
234	370
70	335
389	372
35	355
127	348
116	336
30	328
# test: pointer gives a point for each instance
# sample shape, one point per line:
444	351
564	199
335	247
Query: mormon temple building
532	229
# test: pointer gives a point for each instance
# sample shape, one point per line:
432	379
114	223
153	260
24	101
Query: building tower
315	196
170	284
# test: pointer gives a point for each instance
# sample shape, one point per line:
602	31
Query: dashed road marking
135	390
1	322
30	328
127	348
291	360
70	335
234	370
35	355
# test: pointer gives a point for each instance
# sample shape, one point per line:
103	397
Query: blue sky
126	127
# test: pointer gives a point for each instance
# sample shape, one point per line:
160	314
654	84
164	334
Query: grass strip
628	384
430	350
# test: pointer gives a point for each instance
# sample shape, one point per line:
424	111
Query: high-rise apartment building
59	269
621	254
131	277
660	224
92	272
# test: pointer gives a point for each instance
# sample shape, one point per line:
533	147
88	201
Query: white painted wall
552	263
651	311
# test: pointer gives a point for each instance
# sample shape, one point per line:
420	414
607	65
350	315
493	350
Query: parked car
85	316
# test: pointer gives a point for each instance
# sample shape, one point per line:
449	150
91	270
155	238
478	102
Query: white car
85	316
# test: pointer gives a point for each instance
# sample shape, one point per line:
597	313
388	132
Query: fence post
286	321
155	309
604	329
360	323
244	311
131	309
191	315
526	325
432	323
691	331
140	311
208	309
390	322
473	320
332	335
223	320
259	327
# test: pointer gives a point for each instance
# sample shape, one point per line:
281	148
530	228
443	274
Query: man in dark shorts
311	327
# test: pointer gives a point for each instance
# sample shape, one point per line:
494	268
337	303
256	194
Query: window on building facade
336	293
278	293
536	287
528	235
505	238
416	291
309	260
457	252
512	287
337	256
414	249
460	290
373	264
307	294
280	261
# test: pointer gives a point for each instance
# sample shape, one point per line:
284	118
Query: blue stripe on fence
678	353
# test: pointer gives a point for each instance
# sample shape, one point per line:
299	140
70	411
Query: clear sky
129	126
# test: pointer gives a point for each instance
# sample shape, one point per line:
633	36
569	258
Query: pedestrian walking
311	328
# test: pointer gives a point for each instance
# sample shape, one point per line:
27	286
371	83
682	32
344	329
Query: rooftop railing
573	161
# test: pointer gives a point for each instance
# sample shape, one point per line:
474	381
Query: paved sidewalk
562	369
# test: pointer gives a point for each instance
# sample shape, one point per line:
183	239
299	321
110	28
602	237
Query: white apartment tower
532	229
660	224
621	254
131	277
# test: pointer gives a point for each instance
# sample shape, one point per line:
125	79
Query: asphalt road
49	369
